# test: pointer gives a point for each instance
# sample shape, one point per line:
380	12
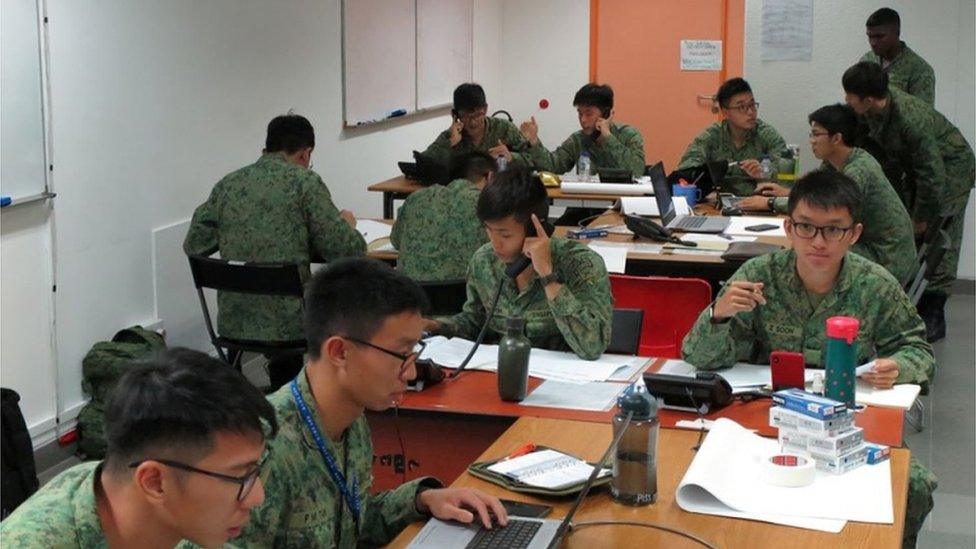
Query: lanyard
351	496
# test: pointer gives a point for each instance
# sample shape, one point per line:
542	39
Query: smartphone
761	227
522	509
787	370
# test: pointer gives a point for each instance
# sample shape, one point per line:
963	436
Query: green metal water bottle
841	358
513	361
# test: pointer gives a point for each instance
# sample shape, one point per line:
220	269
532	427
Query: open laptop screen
662	193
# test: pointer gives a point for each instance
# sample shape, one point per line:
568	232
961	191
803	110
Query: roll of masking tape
788	470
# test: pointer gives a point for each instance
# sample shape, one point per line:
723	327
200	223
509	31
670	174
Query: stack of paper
546	469
373	230
596	395
725	479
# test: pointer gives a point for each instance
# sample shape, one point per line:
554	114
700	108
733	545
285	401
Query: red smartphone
787	370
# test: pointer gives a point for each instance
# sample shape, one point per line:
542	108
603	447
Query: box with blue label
783	418
876	453
837	444
809	404
842	463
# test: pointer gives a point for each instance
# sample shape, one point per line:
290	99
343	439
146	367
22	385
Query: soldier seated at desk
437	228
186	440
563	293
781	301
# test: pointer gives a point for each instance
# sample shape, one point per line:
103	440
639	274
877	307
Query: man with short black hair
473	130
608	144
887	239
927	160
364	325
781	302
276	210
740	137
437	228
906	69
186	444
563	294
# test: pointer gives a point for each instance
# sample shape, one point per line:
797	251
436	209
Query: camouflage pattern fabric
909	73
271	211
890	326
304	508
578	319
437	231
63	514
441	151
715	143
623	149
921	485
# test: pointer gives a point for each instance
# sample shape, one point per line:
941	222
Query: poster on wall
701	55
787	30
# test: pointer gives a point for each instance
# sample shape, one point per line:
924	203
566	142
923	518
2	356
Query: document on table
614	257
597	396
725	479
738	224
373	230
543	363
546	469
637	205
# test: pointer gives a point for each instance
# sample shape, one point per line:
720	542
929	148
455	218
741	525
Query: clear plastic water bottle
635	463
584	166
502	163
766	167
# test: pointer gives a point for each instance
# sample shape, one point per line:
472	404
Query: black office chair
446	297
929	240
277	279
625	332
929	259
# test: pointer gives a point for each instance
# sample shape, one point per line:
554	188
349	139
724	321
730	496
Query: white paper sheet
618	189
787	30
637	205
738	224
725	479
900	396
546	469
614	257
373	230
596	396
680	205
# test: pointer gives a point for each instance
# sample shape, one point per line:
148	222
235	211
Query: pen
520	451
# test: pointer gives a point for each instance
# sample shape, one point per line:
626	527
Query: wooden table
399	187
589	440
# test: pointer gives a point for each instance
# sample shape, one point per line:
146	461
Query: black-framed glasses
406	359
809	231
246	481
746	107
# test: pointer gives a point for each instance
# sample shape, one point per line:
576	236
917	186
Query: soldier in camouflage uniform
186	435
887	238
437	229
781	301
275	210
364	322
906	70
472	130
608	144
742	136
938	166
564	297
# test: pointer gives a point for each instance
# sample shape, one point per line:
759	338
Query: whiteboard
22	160
403	55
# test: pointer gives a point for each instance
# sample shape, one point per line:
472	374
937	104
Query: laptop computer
670	219
521	532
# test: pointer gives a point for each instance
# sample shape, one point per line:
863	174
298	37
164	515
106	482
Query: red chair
670	305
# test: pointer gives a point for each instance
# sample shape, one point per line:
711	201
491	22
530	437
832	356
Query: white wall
941	31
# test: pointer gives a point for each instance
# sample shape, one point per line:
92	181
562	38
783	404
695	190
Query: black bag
19	473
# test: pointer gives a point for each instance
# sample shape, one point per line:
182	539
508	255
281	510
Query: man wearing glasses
781	301
186	445
741	137
473	130
363	322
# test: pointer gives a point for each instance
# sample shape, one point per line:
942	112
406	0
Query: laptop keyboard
691	222
518	534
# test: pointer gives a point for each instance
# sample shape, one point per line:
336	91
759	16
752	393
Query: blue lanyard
351	496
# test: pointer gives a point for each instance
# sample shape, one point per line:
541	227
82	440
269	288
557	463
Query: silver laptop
686	223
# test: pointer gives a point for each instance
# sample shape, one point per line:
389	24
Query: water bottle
513	361
502	163
766	167
584	166
635	463
841	358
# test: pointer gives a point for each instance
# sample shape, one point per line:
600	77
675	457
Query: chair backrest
446	297
931	240
625	333
246	278
929	263
670	305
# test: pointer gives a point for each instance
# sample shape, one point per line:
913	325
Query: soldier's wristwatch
549	279
771	203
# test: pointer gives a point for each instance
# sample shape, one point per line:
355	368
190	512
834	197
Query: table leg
387	205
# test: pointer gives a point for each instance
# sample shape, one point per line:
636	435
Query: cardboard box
809	404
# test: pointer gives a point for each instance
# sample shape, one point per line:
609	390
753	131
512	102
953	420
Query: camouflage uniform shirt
304	508
715	143
441	151
890	327
270	211
63	514
577	320
908	72
437	231
623	149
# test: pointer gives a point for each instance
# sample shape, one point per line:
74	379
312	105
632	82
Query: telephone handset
648	229
516	267
605	114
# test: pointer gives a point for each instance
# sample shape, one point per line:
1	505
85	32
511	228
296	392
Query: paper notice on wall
701	55
787	30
